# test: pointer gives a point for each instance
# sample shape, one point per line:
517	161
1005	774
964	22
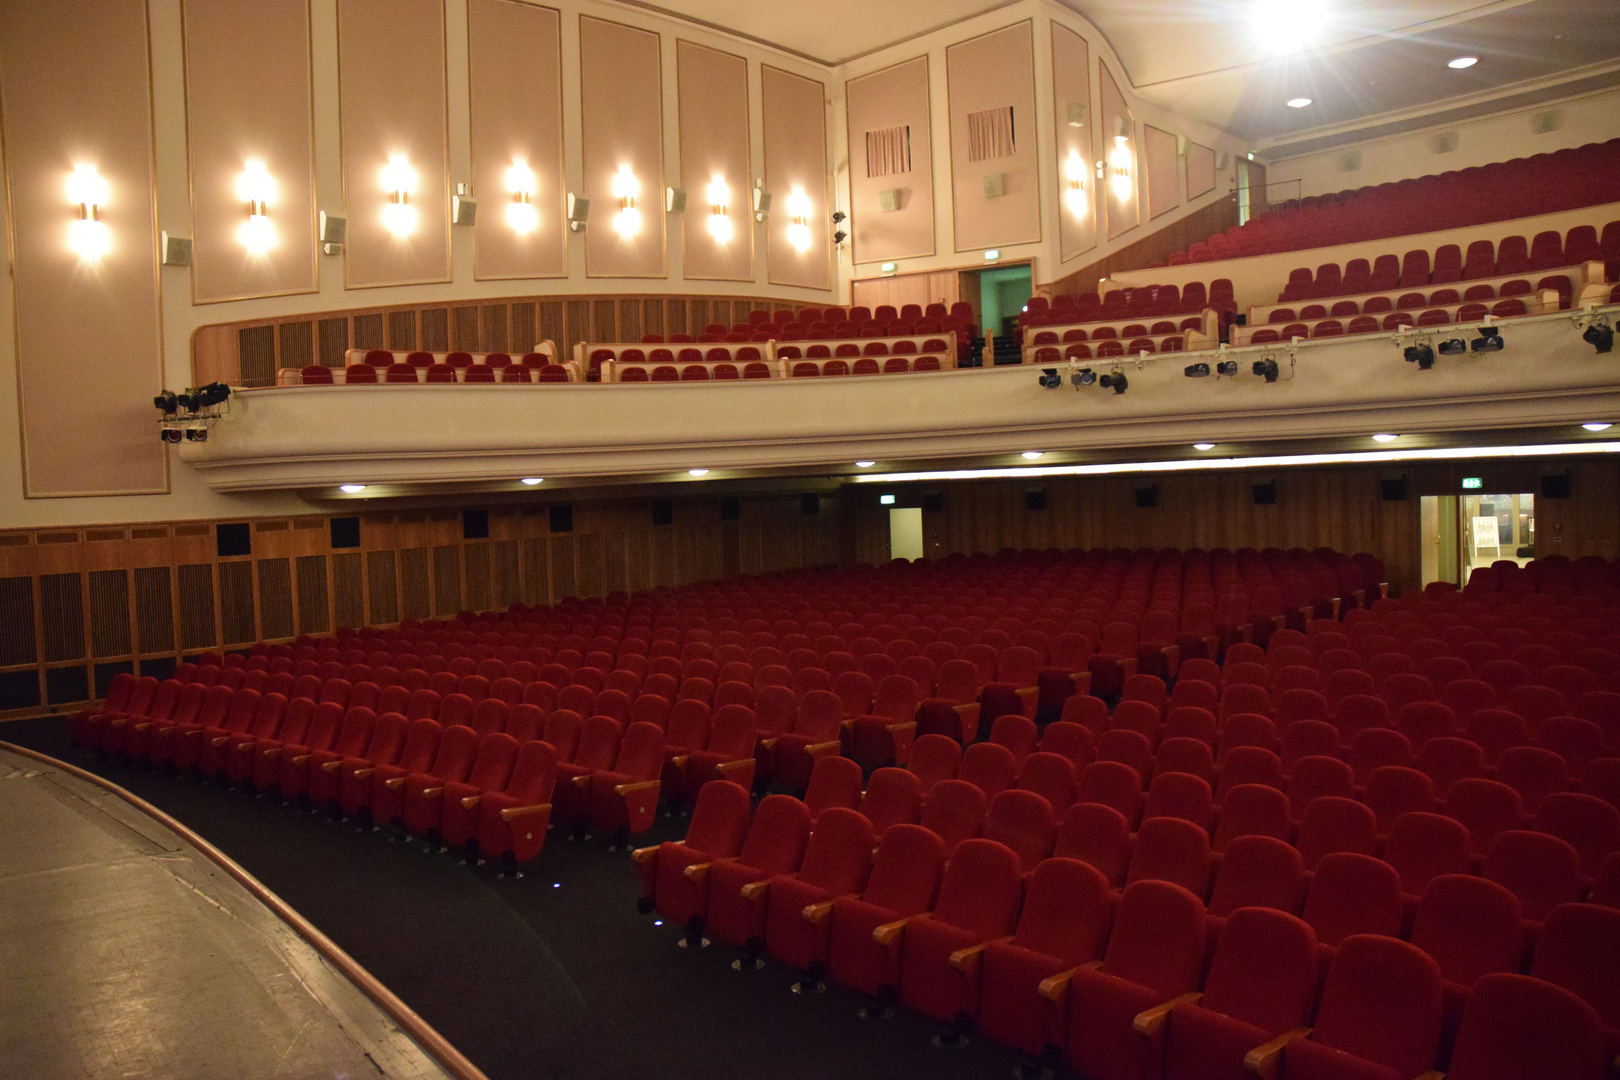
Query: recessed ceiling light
1298	102
865	464
1203	446
1031	455
1597	425
351	489
697	472
1385	437
1463	62
533	480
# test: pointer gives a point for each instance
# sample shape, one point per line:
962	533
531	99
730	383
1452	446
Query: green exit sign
1473	483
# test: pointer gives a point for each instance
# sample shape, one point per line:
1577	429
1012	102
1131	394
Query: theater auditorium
1064	539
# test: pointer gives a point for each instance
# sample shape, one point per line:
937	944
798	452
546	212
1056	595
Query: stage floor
126	952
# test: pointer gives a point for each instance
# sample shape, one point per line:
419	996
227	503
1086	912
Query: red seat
1515	1026
775	845
720	822
906	870
954	811
1578	949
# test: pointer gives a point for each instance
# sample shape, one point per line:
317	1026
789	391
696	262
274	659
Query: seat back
1258	871
1470	926
1264	971
906	870
721	817
1353	894
1382	1002
778	835
1158	938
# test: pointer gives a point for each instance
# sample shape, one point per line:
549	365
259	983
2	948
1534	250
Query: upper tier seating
368	367
1522	187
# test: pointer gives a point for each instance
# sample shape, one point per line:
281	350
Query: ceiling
1379	64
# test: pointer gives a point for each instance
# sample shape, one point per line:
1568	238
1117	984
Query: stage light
839	236
197	434
1226	367
399	181
171	434
521	216
1489	340
1196	371
1421	355
1266	369
1599	334
1049	378
167	402
1115	381
88	237
1451	347
1083	377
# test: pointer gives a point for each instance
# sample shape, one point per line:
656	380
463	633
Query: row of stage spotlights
1114	380
188	414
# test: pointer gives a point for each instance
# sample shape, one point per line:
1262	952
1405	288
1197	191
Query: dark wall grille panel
382	587
334	341
604	320
154	610
551	322
436	329
236	602
275	598
314	614
413	584
368	331
402	329
197	630
256	345
536	578
297	344
61	603
17	644
494	319
676	310
524	327
562	567
348	589
109	613
446	579
579	324
477	556
464	328
630	320
507	584
653	317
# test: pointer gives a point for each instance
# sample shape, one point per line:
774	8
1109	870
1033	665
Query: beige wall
714	147
992	71
248	99
621	112
1162	166
1122	201
1200	170
895	97
794	115
1076	140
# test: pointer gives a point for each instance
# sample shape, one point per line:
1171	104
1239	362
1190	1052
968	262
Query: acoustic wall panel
1120	152
995	186
715	167
1074	117
250	133
794	113
622	118
89	353
891	170
396	154
1200	170
1163	171
514	68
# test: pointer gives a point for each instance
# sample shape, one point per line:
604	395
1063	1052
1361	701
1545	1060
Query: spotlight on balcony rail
1266	369
1599	334
1116	381
1050	379
1489	340
1421	355
1452	347
1084	377
1196	371
1226	367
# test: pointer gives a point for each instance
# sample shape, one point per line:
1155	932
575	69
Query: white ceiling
1380	64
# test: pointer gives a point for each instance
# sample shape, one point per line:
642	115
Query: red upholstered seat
775	845
1380	1015
906	870
978	901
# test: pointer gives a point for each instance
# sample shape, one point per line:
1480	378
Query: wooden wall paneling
614	571
1154	247
295	344
675	321
476	561
256	347
551	323
576	325
506	578
730	549
382	588
154	610
638	561
563	576
664	567
604	320
652	316
314	596
275	600
536	571
415	598
348	590
236	606
110	614
446	579
368	330
630	319
525	326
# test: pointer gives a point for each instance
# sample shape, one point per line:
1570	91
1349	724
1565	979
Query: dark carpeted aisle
551	976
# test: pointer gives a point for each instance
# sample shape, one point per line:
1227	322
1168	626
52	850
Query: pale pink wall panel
1200	170
892	100
988	73
515	82
391	88
89	346
1163	171
1122	200
622	116
1076	141
713	109
794	114
248	99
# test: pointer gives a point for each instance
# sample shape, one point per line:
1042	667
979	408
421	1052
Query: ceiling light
1031	455
532	480
1203	446
869	464
352	489
1385	437
1462	62
1298	102
1286	26
697	472
1597	425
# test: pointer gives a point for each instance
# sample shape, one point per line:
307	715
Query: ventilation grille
256	353
236	602
154	610
368	331
109	613
562	567
159	532
494	319
477	556
381	584
436	329
402	330
297	344
413	584
464	328
446	579
334	341
197	630
62	613
314	609
991	134
535	577
275	598
17	644
508	584
888	150
523	327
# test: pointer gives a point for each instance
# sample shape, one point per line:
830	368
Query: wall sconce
798	208
719	221
1074	194
521	214
1119	167
399	180
88	237
258	190
627	222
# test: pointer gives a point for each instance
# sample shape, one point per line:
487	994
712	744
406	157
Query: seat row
969	935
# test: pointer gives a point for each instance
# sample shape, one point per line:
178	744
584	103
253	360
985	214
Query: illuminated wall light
399	181
256	188
1074	194
627	222
865	464
1462	62
798	208
1119	167
719	194
88	237
521	215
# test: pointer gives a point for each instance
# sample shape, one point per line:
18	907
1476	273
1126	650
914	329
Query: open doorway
999	293
1464	532
906	533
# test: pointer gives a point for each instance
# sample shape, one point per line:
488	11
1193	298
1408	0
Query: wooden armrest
221	740
1432	1074
275	752
432	792
727	767
770	743
1151	1021
512	813
821	747
889	933
1266	1060
301	758
904	725
963	708
361	774
1026	691
244	748
631	789
962	959
696	872
644	855
395	784
847	723
680	760
138	727
816	914
582	782
471	802
755	891
1054	987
